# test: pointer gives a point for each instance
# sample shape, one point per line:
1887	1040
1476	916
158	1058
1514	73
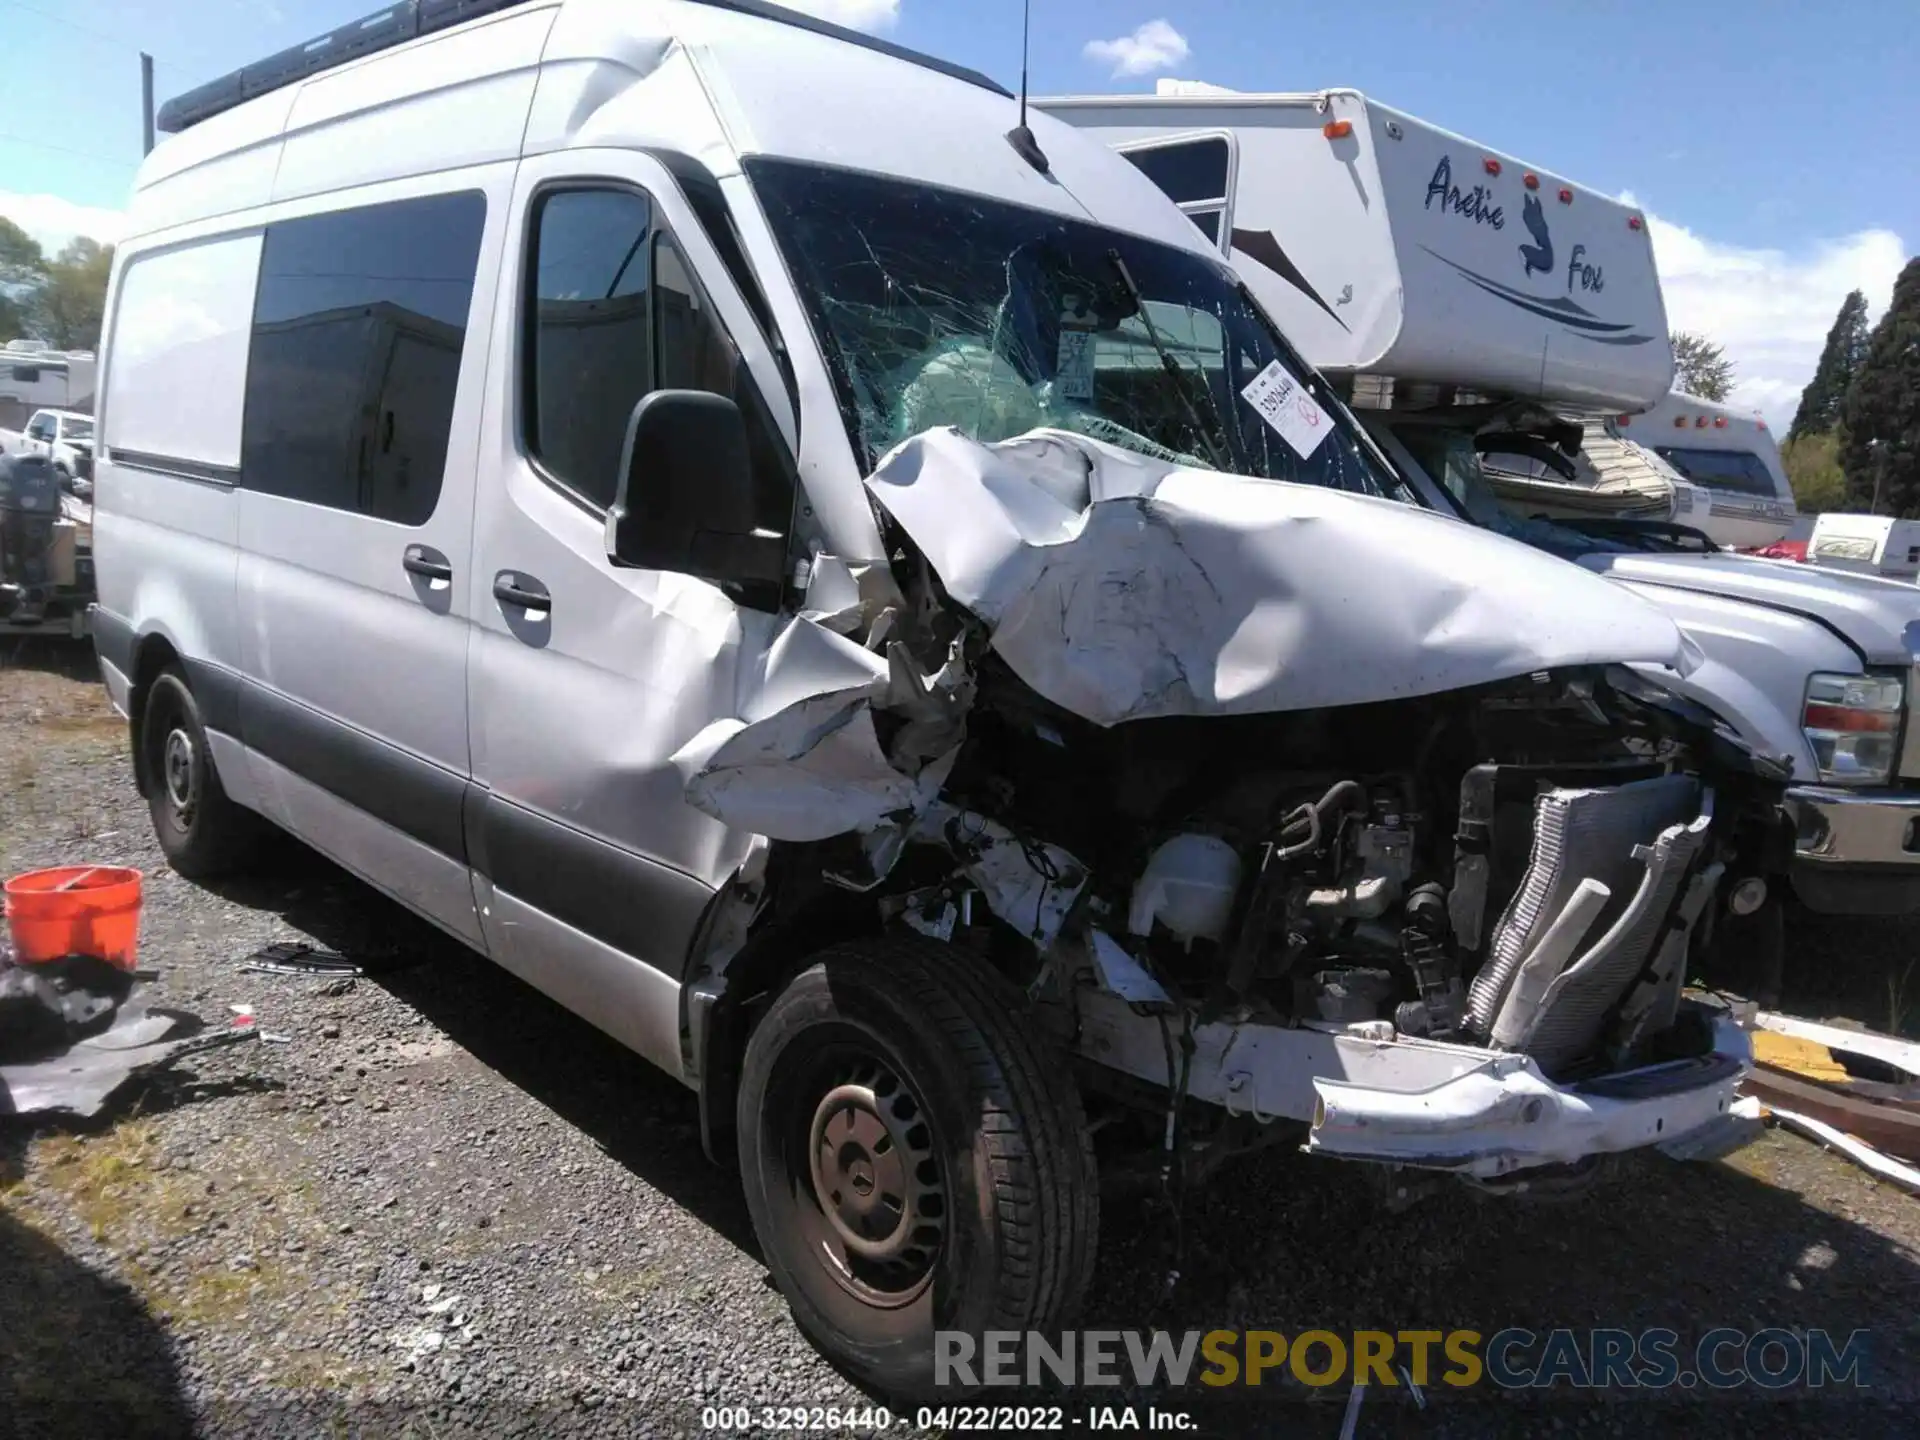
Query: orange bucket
76	910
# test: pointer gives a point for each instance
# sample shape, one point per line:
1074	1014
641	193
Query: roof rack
399	23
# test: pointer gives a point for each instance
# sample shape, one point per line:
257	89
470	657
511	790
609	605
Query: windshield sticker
1073	368
1283	402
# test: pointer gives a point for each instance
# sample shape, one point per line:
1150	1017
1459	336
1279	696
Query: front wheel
916	1159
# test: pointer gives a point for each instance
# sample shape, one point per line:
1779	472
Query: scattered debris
1888	1049
45	1006
80	1080
297	958
1889	1126
1858	1082
1806	1058
1354	1402
268	1037
1885	1166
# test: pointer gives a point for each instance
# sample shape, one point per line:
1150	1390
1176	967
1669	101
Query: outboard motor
29	509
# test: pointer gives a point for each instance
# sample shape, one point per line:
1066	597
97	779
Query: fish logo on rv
1539	255
1538	258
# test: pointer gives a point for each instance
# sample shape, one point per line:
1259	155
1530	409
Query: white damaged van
873	616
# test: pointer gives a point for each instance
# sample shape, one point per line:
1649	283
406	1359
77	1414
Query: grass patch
118	1186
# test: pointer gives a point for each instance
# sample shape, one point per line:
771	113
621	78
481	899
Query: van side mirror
685	497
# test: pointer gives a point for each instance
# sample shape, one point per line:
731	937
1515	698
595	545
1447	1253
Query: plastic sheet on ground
81	1079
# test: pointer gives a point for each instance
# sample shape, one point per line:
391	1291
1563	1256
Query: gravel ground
446	1206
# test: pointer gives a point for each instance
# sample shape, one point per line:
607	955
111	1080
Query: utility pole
146	102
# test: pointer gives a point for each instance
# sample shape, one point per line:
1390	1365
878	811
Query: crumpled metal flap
80	1080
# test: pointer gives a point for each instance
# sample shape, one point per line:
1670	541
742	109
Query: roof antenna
1020	137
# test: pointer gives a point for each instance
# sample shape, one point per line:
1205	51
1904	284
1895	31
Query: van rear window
1741	471
358	328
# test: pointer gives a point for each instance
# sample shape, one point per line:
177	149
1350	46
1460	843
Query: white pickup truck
64	436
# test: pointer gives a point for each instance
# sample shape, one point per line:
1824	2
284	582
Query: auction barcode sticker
1283	402
1073	370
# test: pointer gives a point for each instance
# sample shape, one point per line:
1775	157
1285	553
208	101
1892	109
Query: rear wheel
201	831
915	1159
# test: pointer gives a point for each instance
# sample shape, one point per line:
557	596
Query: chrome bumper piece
1855	827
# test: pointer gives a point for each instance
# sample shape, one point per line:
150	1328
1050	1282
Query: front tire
915	1158
202	833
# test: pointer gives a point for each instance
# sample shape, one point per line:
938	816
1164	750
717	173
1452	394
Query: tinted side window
615	315
1738	470
591	355
1192	171
358	327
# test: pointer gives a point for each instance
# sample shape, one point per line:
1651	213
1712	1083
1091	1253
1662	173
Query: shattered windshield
940	308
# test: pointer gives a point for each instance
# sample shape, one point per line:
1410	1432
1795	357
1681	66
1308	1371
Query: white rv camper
1728	455
33	376
1867	545
1383	245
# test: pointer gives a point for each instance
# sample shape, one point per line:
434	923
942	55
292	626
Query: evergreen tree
1881	416
1846	346
1700	367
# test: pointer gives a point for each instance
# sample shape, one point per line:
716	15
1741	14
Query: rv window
1193	170
358	329
26	374
615	315
1740	471
1194	175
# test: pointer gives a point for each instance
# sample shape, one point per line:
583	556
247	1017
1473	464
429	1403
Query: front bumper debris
1507	1116
1370	1094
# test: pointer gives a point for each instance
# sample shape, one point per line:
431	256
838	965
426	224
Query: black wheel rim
180	774
867	1187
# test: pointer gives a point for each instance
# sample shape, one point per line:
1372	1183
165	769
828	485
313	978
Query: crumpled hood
1881	618
1122	587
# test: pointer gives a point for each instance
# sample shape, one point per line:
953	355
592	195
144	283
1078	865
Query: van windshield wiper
1209	439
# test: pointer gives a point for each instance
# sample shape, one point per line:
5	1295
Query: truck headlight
1853	724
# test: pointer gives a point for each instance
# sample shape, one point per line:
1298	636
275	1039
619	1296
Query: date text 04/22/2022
948	1419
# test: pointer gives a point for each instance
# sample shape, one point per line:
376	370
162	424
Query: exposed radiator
1587	835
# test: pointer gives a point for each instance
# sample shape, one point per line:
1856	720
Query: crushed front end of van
1297	804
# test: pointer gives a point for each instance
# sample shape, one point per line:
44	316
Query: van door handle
427	564
510	587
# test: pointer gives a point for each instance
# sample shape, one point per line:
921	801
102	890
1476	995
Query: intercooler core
1638	840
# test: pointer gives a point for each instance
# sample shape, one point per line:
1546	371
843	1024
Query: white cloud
1156	45
870	15
53	221
1769	309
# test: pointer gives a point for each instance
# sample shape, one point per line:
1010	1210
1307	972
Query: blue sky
1772	141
